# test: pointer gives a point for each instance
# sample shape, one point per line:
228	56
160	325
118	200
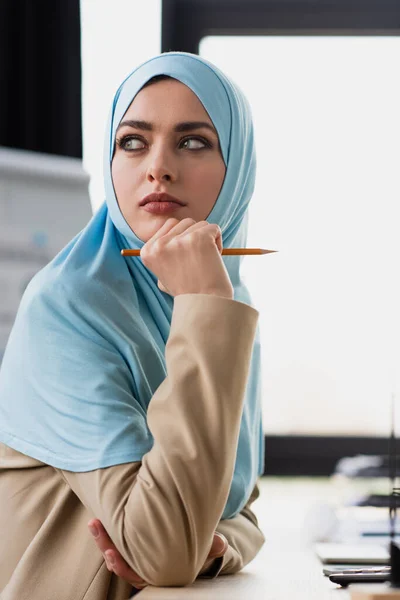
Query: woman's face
166	143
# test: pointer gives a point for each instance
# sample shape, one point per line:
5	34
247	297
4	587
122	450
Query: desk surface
286	567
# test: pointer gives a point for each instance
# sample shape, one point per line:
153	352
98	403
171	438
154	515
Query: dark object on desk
344	579
366	466
378	500
394	549
395	565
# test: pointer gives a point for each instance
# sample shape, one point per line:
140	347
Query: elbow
160	556
174	574
166	580
162	567
167	565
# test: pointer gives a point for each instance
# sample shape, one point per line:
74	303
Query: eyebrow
179	127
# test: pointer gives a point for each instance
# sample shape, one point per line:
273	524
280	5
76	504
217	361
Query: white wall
117	36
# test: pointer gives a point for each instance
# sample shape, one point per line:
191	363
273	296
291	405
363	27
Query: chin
145	231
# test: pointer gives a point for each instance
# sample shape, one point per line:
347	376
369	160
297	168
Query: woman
129	390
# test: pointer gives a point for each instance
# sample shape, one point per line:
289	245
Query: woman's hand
120	567
186	258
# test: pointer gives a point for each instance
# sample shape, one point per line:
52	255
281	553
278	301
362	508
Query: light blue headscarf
87	350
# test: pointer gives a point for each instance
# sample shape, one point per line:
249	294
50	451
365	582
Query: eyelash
121	142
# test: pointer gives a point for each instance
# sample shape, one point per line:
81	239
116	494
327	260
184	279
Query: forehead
167	101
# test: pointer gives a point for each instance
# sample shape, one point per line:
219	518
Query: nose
160	168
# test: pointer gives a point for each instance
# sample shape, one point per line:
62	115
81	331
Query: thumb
163	288
218	241
219	546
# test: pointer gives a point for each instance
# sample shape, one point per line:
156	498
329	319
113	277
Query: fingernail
94	531
110	558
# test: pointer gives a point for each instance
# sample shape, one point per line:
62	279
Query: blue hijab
87	350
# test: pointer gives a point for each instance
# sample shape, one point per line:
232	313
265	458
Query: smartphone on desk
374	575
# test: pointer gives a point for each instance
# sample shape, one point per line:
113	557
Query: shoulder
76	291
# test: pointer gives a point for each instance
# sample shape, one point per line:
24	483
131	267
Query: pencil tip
268	251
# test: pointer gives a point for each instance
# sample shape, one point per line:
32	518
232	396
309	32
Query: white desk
286	567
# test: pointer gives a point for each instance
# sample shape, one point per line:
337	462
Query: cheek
123	177
209	177
116	174
215	179
205	186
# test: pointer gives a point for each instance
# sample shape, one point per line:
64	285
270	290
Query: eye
195	143
131	142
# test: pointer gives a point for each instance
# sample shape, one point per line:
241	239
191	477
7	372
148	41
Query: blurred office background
322	80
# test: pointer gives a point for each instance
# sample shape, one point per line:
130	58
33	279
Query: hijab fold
87	350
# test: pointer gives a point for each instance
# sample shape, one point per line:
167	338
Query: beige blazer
161	513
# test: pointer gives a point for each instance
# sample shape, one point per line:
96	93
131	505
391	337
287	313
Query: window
116	38
327	193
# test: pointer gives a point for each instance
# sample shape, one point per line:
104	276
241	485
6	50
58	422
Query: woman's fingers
173	228
162	287
114	561
168	225
171	225
219	546
120	567
200	225
181	231
187	228
100	535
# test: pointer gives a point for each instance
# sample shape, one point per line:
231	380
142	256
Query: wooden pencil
225	251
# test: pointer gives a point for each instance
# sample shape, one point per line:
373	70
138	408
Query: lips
160	197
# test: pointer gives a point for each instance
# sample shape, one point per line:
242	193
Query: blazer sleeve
162	513
245	540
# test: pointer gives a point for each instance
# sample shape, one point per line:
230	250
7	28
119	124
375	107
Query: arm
162	513
245	540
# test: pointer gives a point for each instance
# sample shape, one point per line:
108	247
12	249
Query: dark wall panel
40	76
185	22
